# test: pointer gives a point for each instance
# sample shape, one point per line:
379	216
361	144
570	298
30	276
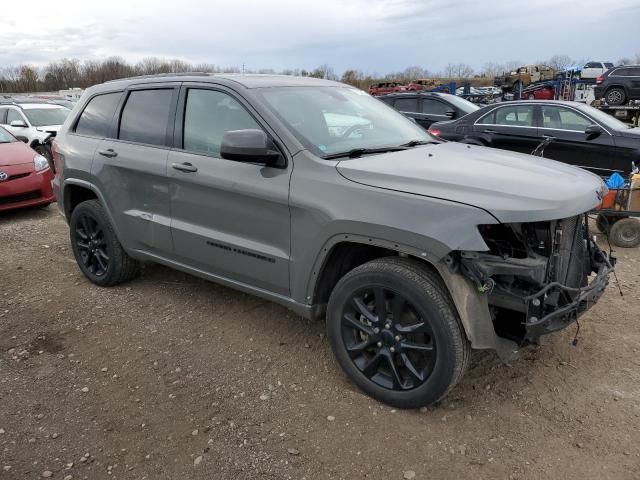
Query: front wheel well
344	257
74	195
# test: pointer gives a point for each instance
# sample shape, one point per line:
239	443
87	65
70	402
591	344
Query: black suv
429	107
619	85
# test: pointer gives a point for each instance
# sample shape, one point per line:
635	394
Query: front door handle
109	152
488	131
184	167
548	136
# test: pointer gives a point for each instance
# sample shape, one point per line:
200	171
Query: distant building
73	93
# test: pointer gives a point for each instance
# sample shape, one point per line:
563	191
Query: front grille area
17	176
23	197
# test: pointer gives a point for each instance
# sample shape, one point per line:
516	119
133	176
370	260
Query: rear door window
145	116
97	116
434	107
407	105
511	116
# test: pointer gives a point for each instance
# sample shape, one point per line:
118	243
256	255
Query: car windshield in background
465	105
6	137
605	119
39	117
330	120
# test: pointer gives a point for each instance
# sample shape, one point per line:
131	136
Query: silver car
315	195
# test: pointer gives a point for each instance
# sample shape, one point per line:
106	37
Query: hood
513	187
630	132
15	153
49	128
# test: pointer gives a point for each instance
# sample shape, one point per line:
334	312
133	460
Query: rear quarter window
97	116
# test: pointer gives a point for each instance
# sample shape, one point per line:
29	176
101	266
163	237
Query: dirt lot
174	377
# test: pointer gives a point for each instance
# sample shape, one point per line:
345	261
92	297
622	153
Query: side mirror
251	146
450	113
22	138
18	124
593	131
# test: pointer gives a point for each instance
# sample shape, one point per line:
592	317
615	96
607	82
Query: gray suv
317	196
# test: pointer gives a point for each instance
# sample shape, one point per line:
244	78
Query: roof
245	80
26	104
29	106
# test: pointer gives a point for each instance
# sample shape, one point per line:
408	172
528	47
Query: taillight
600	79
55	156
435	131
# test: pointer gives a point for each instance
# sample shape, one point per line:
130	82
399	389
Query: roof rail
162	75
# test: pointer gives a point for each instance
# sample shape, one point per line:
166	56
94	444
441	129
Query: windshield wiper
415	143
358	152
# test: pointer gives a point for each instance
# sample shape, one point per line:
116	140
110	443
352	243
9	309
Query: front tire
96	248
396	334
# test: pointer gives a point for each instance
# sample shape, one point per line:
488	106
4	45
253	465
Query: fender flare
89	186
472	307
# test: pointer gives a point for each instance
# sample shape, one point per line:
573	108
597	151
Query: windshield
330	120
6	137
605	119
465	105
39	117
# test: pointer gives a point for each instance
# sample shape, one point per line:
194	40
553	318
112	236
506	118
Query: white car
595	69
33	122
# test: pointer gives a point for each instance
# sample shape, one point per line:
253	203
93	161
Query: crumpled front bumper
561	317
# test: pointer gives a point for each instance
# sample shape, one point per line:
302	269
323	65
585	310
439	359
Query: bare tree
560	62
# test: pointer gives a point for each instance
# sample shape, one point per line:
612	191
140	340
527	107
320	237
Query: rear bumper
29	190
598	91
583	299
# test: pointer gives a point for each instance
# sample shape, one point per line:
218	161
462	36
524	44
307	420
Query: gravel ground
173	377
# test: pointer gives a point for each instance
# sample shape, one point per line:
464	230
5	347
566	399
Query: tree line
70	73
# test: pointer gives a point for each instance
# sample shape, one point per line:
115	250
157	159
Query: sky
375	36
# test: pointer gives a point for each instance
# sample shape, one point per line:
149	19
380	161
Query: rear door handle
488	131
109	152
548	136
184	167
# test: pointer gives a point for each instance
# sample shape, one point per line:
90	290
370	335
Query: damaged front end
539	277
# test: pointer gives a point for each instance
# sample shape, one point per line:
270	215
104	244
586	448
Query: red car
544	93
25	176
383	88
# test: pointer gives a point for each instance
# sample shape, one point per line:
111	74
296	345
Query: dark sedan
580	135
429	107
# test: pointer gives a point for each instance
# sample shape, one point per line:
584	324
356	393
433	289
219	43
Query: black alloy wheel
387	340
396	333
96	248
91	245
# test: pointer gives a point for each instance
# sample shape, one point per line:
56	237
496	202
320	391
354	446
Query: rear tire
625	233
615	96
413	353
96	248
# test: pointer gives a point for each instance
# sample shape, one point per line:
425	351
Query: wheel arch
76	190
343	253
617	85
